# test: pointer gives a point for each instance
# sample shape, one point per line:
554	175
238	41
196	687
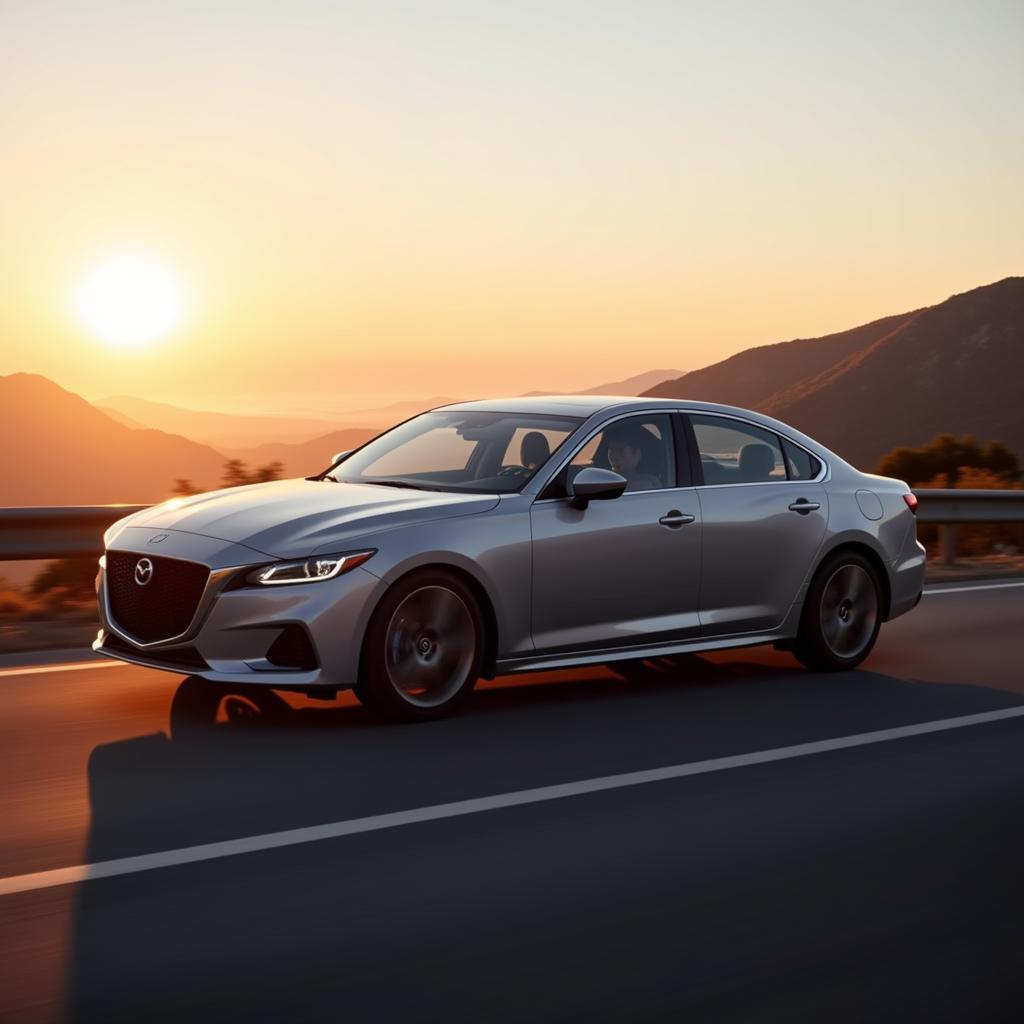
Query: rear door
764	517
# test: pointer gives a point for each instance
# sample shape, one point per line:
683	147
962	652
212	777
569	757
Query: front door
625	571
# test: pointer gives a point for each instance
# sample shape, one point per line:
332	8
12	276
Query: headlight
308	570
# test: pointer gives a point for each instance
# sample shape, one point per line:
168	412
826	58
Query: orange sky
367	201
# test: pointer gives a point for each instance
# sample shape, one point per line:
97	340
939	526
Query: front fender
493	549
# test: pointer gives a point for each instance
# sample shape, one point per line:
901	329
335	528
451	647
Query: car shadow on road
244	761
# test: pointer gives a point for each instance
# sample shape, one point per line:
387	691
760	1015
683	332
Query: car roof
588	405
563	405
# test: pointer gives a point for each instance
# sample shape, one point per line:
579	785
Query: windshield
485	452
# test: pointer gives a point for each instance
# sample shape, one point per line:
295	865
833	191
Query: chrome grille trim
214	581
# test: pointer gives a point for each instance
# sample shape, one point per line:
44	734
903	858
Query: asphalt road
880	882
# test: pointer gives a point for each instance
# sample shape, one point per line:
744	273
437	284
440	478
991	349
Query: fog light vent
292	649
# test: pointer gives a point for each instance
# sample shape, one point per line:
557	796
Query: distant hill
307	457
214	428
120	417
60	450
954	367
267	438
635	385
751	377
389	415
233	431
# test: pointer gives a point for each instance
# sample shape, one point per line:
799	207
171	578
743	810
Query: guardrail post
948	543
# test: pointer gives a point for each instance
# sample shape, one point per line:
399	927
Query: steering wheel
517	472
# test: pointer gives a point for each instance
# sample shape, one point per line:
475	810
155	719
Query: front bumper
232	635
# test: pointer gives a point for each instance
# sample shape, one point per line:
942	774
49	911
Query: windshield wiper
395	483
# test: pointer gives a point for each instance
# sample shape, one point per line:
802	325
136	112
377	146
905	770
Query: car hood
295	518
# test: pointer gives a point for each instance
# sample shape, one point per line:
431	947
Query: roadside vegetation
950	461
964	464
236	473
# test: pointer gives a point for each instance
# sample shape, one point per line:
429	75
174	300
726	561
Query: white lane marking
74	666
968	587
459	808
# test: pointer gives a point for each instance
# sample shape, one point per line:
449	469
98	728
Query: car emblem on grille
143	571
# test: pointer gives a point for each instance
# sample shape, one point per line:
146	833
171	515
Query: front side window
484	452
733	452
640	448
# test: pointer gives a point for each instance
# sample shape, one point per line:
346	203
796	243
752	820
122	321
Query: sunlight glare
129	301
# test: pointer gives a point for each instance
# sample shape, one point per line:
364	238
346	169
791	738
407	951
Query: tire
842	614
423	649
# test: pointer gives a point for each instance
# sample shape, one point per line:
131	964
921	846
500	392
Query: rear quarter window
800	464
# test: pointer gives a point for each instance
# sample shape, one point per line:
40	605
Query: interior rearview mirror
593	484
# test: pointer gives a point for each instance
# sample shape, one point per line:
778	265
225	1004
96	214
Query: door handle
676	518
803	506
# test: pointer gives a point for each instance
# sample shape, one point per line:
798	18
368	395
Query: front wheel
423	648
842	614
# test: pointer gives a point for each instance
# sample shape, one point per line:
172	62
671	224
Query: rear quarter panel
886	535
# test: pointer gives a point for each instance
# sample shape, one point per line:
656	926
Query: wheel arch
865	550
490	652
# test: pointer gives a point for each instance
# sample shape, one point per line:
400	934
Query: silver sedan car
505	536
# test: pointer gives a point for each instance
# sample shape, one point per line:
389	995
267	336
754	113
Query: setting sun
129	301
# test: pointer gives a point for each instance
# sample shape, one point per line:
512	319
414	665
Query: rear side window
733	452
801	465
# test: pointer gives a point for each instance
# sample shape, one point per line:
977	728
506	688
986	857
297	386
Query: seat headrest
756	461
534	449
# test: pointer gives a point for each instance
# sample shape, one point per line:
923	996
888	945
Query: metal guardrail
951	506
61	531
948	507
76	531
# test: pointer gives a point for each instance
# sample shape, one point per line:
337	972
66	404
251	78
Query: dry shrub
15	605
63	590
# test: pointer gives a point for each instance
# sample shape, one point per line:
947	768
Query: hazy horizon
346	201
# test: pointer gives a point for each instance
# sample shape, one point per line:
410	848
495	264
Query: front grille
161	609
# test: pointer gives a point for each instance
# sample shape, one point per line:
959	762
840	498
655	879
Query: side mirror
593	484
341	456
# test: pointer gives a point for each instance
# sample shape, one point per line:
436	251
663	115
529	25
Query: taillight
911	500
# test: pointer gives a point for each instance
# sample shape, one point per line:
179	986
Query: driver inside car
534	450
627	444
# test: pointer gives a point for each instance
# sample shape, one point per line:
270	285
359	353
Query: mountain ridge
953	367
76	454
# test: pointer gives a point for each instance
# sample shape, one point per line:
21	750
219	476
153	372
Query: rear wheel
842	614
423	648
